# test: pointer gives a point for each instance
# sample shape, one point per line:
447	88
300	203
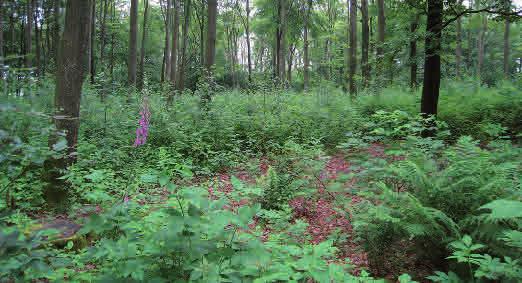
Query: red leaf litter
324	217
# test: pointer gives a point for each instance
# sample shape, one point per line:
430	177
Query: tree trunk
281	54
28	33
431	84
182	67
365	44
381	35
133	43
70	74
174	46
247	30
481	44
1	37
113	39
306	44
56	29
167	50
413	53
141	73
211	34
92	54
290	63
353	47
506	49
103	32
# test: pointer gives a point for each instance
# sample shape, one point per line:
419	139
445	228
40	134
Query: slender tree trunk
56	29
353	47
431	84
92	54
133	43
306	44
290	63
113	39
167	50
211	34
381	35
281	54
1	37
183	65
141	73
247	30
481	43
506	49
103	32
37	38
413	53
365	67
175	39
29	33
71	71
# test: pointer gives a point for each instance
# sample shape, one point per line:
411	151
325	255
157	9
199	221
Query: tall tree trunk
413	52
37	38
92	54
175	39
70	74
381	35
133	43
1	37
290	63
353	47
247	30
281	54
211	33
56	29
481	43
103	32
141	73
113	39
365	67
167	50
183	65
28	33
306	44
431	84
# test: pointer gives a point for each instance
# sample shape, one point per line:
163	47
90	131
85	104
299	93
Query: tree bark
211	34
306	44
28	33
431	84
1	37
413	53
353	47
183	65
381	35
92	54
175	43
56	29
103	32
247	30
70	74
365	44
281	38
141	73
133	43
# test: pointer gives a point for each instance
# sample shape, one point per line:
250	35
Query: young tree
133	43
70	74
458	48
247	31
28	32
506	41
413	52
92	54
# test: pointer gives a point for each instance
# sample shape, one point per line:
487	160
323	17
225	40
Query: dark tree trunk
353	47
281	40
413	52
37	38
306	44
431	85
141	73
1	37
211	33
381	35
113	39
183	65
92	54
174	46
365	67
71	71
133	43
103	32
